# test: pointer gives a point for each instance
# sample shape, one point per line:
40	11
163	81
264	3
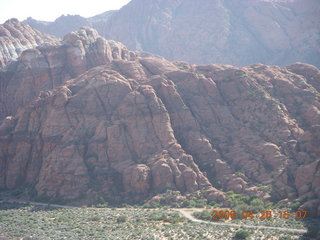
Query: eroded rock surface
46	67
135	128
15	37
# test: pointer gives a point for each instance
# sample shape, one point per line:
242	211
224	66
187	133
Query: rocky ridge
15	37
46	67
233	32
68	23
136	126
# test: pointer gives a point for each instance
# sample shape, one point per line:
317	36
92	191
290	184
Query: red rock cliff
138	127
46	67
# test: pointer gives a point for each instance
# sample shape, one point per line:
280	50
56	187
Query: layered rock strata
15	37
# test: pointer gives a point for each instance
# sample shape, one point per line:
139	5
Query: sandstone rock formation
45	67
233	32
15	37
136	126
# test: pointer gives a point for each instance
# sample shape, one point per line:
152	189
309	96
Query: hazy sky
50	10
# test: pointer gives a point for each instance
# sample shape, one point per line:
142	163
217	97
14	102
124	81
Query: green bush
189	204
121	219
126	205
240	202
152	205
215	204
295	206
175	205
95	219
102	205
200	203
242	234
256	205
174	218
170	218
203	215
241	207
285	237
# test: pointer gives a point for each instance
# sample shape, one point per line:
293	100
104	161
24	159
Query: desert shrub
256	205
169	217
121	219
189	204
94	219
152	205
285	237
203	215
281	205
102	205
175	218
242	234
240	202
169	198
215	204
200	203
175	205
241	207
265	188
295	205
126	205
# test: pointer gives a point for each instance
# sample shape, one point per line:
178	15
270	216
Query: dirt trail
187	213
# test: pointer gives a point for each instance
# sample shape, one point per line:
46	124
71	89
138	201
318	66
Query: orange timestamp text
268	214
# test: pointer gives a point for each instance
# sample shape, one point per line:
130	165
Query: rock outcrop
137	126
46	67
233	32
15	37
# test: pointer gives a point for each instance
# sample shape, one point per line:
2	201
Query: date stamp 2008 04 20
230	214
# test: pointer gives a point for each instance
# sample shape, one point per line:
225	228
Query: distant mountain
101	17
61	26
68	23
213	31
216	31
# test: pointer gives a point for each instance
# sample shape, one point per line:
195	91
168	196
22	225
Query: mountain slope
216	31
68	23
137	126
234	32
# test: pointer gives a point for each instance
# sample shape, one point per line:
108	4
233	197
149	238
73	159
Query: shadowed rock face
15	37
233	32
137	126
